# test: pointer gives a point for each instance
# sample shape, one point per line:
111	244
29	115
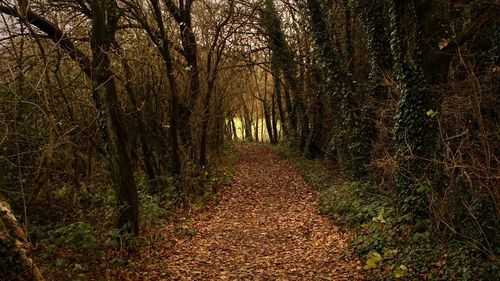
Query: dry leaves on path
266	227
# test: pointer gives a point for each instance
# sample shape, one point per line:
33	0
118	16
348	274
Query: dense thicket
142	95
402	96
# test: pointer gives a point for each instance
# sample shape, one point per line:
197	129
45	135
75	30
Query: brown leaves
266	227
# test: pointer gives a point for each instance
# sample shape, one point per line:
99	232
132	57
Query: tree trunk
150	162
247	123
269	125
182	15
15	264
204	128
415	128
235	132
274	118
256	129
104	22
277	90
174	111
372	15
229	130
272	25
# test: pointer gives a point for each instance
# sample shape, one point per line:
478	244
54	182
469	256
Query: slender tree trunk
150	162
274	119
104	23
229	130
174	111
235	132
267	119
277	90
204	128
243	129
256	129
173	115
247	124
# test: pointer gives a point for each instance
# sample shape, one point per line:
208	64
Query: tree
105	18
373	16
299	121
214	57
15	263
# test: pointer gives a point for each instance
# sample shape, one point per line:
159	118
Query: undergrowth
84	244
390	246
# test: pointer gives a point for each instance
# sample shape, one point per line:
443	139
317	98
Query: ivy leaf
431	113
372	261
390	254
380	217
400	271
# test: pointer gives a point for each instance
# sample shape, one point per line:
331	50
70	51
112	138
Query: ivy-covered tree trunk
416	123
325	70
303	129
338	84
373	16
316	136
351	134
292	118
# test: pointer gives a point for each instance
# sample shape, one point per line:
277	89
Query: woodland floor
266	226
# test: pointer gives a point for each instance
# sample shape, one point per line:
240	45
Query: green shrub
353	203
78	237
154	208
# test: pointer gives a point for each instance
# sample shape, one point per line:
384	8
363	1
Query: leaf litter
265	227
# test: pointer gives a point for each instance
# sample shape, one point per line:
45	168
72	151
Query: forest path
265	227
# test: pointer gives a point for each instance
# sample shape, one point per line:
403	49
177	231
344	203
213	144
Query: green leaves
400	271
373	260
390	254
77	236
380	216
431	113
